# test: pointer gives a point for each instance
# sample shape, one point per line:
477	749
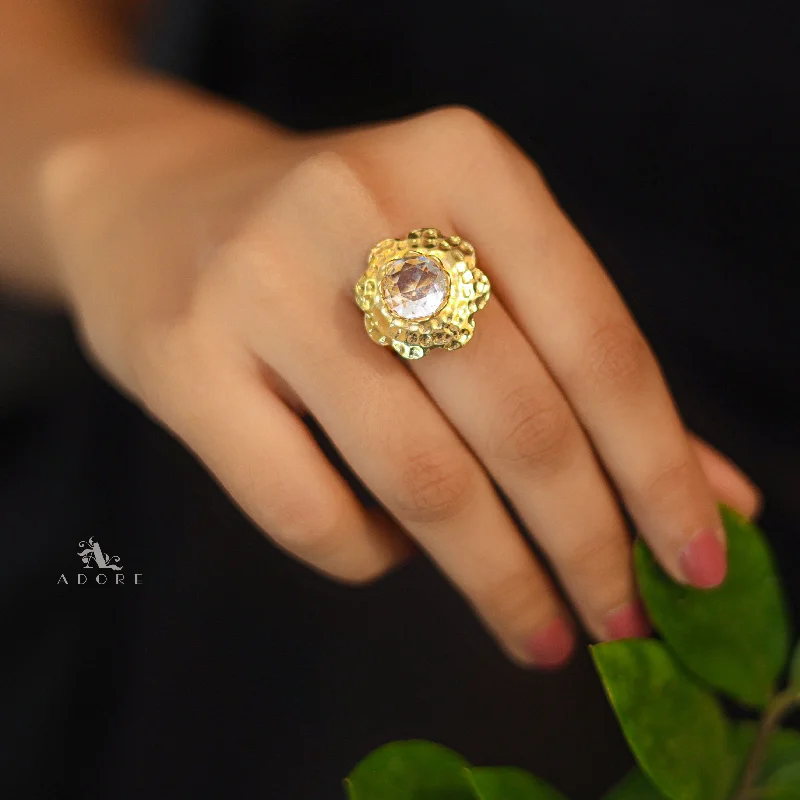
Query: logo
92	556
94	553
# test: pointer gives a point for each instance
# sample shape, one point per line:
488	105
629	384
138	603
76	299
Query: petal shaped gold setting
421	293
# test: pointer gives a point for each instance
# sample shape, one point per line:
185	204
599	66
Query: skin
208	258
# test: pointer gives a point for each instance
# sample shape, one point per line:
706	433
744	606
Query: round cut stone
414	286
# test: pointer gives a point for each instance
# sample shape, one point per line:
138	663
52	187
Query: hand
212	269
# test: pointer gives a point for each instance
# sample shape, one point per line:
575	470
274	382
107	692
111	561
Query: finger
384	424
563	300
729	484
519	424
396	441
268	462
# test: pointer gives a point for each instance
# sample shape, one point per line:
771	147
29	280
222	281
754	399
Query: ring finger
381	419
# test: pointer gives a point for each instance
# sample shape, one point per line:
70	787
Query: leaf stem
777	709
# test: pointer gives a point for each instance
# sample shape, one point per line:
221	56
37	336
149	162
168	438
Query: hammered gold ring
421	293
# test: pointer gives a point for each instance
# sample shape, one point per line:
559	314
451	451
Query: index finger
554	286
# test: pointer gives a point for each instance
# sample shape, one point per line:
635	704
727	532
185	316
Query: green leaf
510	783
735	637
676	729
411	770
784	784
783	748
634	786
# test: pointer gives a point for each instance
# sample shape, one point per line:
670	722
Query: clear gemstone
414	286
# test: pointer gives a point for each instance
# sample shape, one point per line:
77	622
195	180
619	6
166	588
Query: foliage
733	640
736	637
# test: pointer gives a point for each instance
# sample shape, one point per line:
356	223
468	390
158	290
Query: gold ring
421	292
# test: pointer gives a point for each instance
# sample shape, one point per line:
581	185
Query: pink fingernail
703	560
627	622
551	646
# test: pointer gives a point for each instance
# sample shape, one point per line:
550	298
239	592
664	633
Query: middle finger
500	396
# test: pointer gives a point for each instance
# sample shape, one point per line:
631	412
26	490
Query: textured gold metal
452	326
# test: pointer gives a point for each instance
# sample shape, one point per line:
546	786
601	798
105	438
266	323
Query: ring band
421	292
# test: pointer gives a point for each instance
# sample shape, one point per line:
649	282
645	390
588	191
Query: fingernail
627	622
551	646
703	560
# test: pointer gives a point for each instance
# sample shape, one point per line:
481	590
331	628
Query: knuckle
532	433
158	356
618	358
283	209
249	273
595	555
670	484
433	488
459	117
509	601
461	124
304	525
270	255
339	191
325	169
326	186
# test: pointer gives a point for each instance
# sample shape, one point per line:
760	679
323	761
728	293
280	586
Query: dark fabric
668	131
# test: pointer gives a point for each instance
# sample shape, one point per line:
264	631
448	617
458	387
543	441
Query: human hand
213	281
